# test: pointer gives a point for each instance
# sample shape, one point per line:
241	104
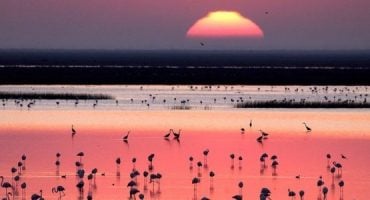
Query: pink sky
162	24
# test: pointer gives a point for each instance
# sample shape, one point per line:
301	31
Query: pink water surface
41	134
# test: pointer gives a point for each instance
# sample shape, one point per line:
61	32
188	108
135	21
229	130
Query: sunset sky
163	24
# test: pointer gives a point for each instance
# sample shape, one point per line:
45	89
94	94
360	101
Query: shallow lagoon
45	129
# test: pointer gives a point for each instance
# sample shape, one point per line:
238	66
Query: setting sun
222	24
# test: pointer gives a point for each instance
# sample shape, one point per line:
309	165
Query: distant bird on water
307	128
73	131
176	135
125	138
168	134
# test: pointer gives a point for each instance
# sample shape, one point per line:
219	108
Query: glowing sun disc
223	24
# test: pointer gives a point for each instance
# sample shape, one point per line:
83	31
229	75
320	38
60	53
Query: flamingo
301	194
133	160
291	194
205	153
328	157
232	156
37	196
176	135
141	196
23	187
133	192
241	185
80	154
263	133
94	171
150	159
168	134
125	138
195	181
265	193
263	159
240	158
199	164
59	189
339	166
274	165
211	175
24	157
250	124
332	171
57	162
118	163
5	185
191	159
145	174
13	170
308	129
131	184
20	164
80	185
341	184
73	131
325	191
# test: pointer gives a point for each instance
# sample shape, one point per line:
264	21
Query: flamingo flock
83	176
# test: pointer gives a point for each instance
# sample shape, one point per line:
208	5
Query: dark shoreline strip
279	104
11	95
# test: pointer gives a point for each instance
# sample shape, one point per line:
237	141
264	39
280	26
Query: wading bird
59	189
73	131
5	185
308	129
125	138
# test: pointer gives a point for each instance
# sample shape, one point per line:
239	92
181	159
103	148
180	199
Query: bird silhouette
80	185
168	134
176	135
341	185
339	167
5	185
263	133
80	154
241	185
133	192
325	191
265	193
37	196
150	159
301	194
291	194
211	175
73	131
125	138
59	189
308	129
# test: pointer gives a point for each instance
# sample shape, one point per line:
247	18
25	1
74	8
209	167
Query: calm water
45	129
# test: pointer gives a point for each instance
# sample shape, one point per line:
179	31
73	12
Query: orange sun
224	24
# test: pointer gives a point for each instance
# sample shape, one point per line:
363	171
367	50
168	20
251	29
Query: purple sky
162	24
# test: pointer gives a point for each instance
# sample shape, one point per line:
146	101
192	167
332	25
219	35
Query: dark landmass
184	67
